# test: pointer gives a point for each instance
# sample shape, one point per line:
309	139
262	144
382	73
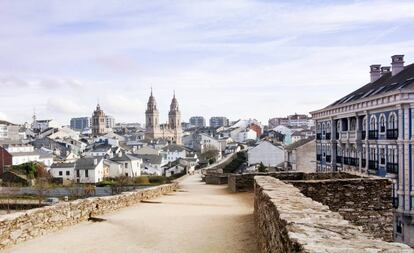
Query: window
382	123
60	173
353	124
392	121
373	123
382	155
67	173
126	165
86	173
77	174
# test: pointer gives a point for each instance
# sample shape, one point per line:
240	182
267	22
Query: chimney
375	72
385	70
397	64
95	161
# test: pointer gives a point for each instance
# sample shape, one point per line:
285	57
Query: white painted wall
267	153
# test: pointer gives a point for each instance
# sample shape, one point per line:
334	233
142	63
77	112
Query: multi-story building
9	131
79	124
295	120
197	121
109	121
219	121
371	131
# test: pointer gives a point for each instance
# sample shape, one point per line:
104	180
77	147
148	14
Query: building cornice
371	103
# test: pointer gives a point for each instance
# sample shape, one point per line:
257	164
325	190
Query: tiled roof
152	159
386	83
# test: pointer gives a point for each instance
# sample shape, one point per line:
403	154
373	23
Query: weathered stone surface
18	227
365	201
287	221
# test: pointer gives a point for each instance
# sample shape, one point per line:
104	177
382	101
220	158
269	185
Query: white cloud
235	58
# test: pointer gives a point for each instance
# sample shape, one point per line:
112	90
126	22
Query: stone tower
151	118
98	122
174	121
174	116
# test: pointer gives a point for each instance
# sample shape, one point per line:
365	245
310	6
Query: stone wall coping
311	224
12	216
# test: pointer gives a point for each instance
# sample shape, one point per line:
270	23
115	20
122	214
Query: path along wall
287	221
18	227
365	201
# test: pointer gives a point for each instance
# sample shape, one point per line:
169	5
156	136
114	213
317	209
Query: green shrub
157	179
142	180
106	183
241	158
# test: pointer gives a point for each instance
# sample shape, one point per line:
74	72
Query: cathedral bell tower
151	117
174	116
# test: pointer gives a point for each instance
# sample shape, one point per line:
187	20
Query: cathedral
171	131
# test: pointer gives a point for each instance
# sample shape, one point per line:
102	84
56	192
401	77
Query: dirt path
198	218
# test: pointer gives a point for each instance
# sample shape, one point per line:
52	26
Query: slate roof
386	83
299	143
148	158
87	163
124	157
62	165
174	148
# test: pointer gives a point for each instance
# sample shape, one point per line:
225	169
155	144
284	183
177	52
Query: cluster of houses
71	156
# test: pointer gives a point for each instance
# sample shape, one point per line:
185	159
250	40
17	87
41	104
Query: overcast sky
240	59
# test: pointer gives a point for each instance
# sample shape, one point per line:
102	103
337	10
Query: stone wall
216	179
245	182
18	227
366	202
287	221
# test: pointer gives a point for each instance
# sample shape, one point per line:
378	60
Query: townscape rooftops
87	163
387	83
124	157
299	143
62	165
3	122
149	158
175	148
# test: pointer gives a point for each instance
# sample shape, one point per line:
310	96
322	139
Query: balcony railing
328	136
364	162
346	160
373	165
328	158
353	161
318	157
352	135
392	134
373	134
392	168
363	135
319	136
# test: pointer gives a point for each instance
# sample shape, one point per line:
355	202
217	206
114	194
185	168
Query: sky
241	59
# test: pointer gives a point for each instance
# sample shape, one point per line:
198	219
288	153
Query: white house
173	152
41	125
23	153
267	153
152	164
66	171
205	142
300	156
89	170
130	165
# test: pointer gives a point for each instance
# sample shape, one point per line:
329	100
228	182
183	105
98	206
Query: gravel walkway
198	218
